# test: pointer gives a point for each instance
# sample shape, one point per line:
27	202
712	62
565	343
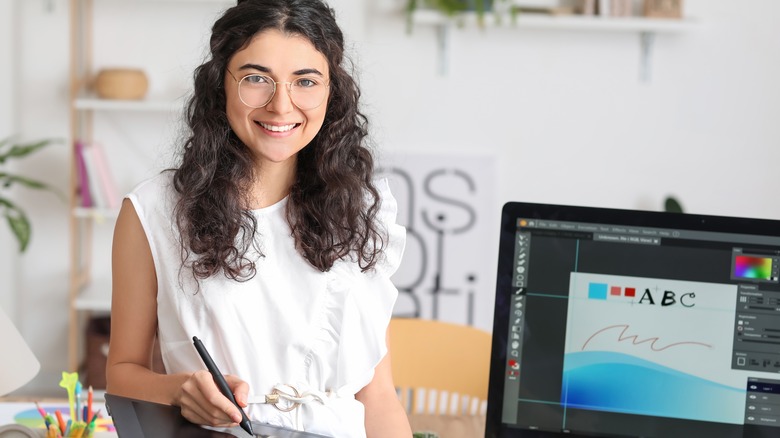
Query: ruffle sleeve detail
395	234
357	310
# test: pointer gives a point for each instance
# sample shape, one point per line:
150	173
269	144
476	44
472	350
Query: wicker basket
121	83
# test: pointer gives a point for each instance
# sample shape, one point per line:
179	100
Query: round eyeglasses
256	90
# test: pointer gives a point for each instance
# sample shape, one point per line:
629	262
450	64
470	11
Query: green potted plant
672	205
450	8
14	215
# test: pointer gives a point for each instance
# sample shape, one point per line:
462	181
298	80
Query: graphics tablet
142	419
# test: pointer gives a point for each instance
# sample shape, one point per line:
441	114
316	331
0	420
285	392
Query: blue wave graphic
616	382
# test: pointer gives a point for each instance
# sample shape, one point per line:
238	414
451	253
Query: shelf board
560	22
646	28
226	2
95	213
95	297
152	103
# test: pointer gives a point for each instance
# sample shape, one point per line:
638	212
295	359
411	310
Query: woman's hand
201	401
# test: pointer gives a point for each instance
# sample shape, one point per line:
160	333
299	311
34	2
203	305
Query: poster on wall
447	204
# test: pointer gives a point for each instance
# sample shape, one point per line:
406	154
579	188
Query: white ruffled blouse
322	333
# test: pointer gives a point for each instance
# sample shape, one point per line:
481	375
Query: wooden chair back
440	367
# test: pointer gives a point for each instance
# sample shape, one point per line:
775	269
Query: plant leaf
17	220
22	230
21	150
672	205
7	180
411	6
14	215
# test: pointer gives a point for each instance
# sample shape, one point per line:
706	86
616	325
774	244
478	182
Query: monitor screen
618	323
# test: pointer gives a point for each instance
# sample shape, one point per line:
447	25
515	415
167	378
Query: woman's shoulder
155	185
153	194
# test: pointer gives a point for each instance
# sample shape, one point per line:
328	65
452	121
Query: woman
270	241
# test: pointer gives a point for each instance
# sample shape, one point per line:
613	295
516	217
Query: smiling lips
278	128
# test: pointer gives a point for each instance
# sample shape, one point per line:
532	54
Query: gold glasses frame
271	97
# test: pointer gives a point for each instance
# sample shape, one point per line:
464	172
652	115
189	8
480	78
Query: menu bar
606	231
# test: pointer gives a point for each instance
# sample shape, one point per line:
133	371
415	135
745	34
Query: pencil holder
79	429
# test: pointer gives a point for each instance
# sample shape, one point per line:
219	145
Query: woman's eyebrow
303	71
307	71
255	67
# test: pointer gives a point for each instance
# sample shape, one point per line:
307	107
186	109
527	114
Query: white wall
563	111
7	250
41	111
573	124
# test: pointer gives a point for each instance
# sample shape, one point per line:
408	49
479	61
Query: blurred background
618	114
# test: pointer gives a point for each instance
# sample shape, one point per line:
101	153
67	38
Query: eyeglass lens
306	93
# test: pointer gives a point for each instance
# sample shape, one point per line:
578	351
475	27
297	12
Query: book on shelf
586	7
608	8
82	180
604	8
107	182
96	185
622	8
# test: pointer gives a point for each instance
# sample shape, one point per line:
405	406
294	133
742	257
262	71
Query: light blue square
597	291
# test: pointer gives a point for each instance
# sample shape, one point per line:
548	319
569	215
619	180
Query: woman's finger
240	389
201	402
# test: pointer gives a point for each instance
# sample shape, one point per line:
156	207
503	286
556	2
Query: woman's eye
257	79
305	83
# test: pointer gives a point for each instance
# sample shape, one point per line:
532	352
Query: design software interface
631	331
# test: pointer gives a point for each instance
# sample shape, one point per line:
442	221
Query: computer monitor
619	323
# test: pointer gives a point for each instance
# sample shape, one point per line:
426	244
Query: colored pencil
77	394
50	421
60	420
89	405
40	410
94	417
43	414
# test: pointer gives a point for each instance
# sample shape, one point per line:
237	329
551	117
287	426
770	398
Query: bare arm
133	329
385	417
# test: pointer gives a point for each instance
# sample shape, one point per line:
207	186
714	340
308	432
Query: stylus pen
219	379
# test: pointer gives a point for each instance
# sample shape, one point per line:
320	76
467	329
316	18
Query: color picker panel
753	267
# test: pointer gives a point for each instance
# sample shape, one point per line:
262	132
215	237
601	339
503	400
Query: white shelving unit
89	292
646	28
89	288
92	297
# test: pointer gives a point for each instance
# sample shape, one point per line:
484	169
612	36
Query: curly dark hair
332	205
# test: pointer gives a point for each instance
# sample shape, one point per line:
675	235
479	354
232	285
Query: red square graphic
630	292
614	290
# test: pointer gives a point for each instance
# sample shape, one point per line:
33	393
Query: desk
136	419
19	411
449	426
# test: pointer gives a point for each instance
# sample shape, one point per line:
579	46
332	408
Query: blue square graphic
597	291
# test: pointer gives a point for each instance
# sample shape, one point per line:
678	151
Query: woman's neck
273	183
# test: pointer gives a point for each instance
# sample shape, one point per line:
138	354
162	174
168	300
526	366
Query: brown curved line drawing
635	340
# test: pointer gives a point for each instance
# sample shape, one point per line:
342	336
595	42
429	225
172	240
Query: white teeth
275	128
